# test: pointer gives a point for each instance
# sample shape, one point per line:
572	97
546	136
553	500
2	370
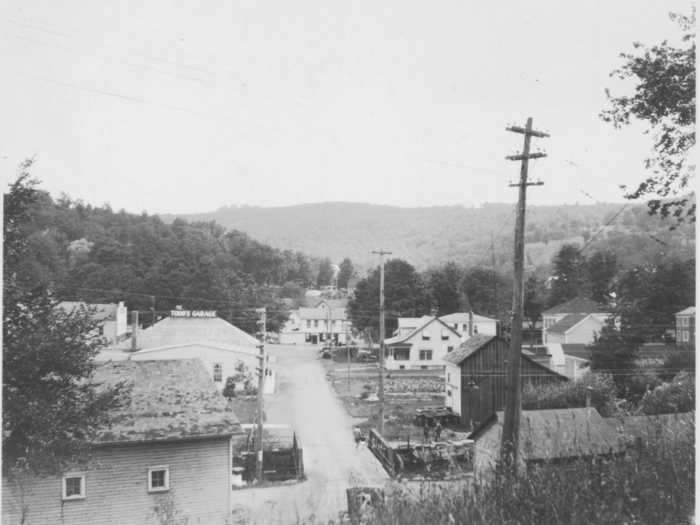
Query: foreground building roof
170	400
577	305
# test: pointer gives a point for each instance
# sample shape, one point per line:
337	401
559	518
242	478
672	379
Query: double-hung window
158	478
74	486
218	372
425	355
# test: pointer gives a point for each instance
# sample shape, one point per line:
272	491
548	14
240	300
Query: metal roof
577	305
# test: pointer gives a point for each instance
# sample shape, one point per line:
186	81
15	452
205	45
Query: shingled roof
467	348
577	305
170	400
561	433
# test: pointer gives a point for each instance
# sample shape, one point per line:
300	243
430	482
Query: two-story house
470	323
574	322
423	347
327	322
685	326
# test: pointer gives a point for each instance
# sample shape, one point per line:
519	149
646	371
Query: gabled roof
426	321
463	317
467	348
169	400
567	323
577	305
561	433
177	330
581	351
101	311
687	311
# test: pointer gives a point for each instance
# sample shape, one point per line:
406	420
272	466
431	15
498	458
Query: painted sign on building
193	313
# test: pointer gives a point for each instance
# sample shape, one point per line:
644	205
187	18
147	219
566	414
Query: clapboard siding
117	491
486	368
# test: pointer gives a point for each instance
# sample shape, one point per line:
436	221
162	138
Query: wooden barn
475	377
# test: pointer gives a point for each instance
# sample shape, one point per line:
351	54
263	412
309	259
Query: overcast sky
165	107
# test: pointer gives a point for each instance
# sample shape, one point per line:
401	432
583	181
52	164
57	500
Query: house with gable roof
685	326
168	448
326	322
573	322
475	377
470	323
422	347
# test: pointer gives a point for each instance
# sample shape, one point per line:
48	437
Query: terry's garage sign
192	313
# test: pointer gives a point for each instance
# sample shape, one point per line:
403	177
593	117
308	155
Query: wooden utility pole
261	385
380	392
511	421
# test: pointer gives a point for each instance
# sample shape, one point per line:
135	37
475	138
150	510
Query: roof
687	311
561	433
178	330
567	323
169	400
409	322
468	347
463	317
333	303
580	351
577	305
245	350
102	311
425	321
275	436
669	427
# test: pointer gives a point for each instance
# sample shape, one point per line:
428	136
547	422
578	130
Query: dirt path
332	463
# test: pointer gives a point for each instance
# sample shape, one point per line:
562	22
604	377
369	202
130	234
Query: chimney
433	311
471	323
134	330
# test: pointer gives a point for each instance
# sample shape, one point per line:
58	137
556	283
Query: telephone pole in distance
511	420
262	321
380	392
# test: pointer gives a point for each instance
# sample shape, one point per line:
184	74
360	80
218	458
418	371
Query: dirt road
331	460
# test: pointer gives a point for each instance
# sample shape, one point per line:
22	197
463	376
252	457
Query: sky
172	106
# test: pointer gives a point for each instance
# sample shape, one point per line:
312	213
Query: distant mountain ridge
433	235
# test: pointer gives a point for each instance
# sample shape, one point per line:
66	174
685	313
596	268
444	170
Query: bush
230	388
678	395
572	394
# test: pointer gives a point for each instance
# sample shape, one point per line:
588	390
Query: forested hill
429	236
81	252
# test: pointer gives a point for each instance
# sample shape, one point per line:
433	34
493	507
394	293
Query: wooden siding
487	368
117	491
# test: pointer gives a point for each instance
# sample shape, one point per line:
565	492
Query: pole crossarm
520	156
526	131
518	184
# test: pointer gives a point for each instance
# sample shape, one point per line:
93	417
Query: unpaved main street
332	462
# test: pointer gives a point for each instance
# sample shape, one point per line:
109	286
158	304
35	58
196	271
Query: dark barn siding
486	368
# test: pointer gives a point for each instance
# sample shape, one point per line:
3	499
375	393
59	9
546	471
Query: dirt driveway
331	461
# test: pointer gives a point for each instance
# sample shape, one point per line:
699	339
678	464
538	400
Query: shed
475	377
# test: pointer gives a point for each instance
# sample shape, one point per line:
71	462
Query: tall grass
651	486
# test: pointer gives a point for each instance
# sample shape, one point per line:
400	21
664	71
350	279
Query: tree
601	268
488	292
568	280
404	296
347	272
51	406
664	99
325	273
534	299
614	352
444	287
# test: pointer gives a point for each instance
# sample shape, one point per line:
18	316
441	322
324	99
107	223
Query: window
426	336
464	327
402	354
445	335
425	355
308	323
315	323
217	372
74	486
456	326
158	478
450	348
449	393
448	377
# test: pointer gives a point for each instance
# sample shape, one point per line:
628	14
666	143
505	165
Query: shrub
678	395
230	388
572	394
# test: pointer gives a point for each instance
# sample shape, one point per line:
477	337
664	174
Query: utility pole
380	393
261	385
511	422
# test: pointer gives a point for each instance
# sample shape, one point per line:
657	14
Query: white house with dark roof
327	322
168	448
423	347
685	326
572	322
